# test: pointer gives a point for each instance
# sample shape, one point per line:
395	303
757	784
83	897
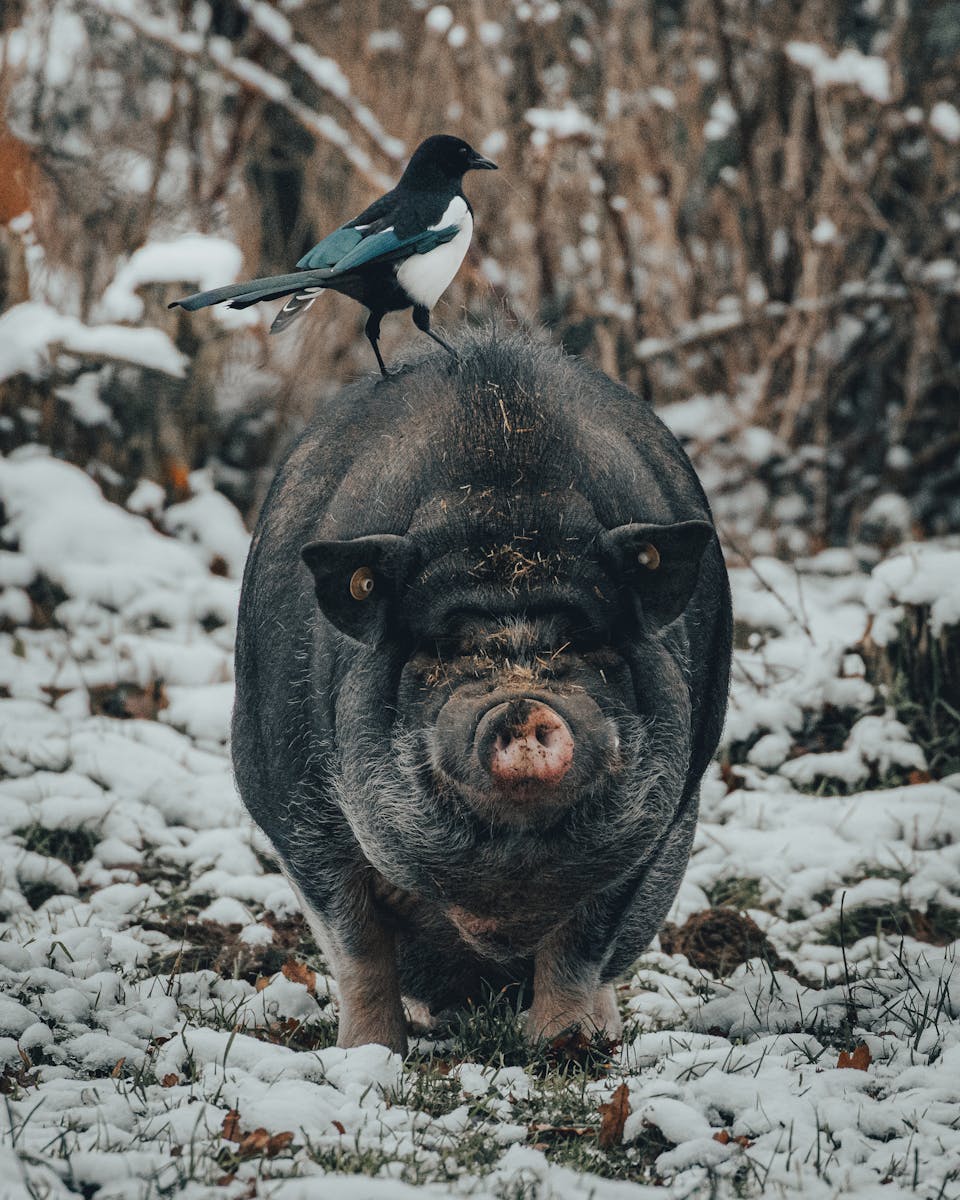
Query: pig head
482	664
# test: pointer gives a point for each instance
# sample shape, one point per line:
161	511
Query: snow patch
922	573
194	258
867	72
945	120
29	332
560	123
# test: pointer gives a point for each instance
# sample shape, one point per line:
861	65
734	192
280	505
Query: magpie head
442	159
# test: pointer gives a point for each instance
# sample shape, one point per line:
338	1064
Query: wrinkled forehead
518	639
495	555
498	512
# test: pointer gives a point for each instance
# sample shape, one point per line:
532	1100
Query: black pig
482	665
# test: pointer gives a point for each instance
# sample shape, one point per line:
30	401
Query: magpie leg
421	318
372	330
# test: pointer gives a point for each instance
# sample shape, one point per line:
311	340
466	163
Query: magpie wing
386	247
334	246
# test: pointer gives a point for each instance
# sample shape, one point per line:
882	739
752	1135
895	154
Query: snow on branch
849	68
560	123
193	258
30	332
324	72
249	76
717	324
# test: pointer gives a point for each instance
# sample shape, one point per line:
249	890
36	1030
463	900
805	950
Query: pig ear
660	563
357	582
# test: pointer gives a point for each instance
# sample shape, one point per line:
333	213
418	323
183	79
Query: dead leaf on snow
298	972
724	1138
12	1078
254	1142
230	1129
859	1060
261	1141
613	1116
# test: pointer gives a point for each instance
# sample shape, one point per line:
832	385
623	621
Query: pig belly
446	958
441	970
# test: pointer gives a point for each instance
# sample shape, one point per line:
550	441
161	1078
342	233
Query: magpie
401	252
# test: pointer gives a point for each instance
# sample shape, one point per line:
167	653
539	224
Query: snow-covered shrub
759	210
912	646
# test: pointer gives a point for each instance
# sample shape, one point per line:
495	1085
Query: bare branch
250	76
716	325
324	72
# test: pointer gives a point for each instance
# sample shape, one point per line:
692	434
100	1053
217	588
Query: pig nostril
530	747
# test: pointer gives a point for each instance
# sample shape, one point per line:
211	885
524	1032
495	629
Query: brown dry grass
621	239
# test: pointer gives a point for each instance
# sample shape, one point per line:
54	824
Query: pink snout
528	743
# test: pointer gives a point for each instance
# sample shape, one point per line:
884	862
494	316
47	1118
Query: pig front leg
370	1007
364	965
567	991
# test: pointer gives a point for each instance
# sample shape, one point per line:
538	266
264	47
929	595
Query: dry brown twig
251	77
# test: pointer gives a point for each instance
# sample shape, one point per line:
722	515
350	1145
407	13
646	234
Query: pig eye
361	583
648	556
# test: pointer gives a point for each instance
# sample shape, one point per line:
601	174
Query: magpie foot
372	330
421	318
389	373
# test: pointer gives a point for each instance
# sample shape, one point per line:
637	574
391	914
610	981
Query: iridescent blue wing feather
386	247
333	247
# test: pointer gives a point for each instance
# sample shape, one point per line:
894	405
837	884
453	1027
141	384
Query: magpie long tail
242	295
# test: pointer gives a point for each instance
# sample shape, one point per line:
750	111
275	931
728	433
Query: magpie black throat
401	252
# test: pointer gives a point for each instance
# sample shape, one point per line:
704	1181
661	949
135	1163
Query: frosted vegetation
750	205
750	214
166	1027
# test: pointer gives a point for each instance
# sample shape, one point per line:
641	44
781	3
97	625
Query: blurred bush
748	211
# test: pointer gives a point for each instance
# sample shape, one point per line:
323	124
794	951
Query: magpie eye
361	583
648	556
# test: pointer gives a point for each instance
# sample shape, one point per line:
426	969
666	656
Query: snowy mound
921	575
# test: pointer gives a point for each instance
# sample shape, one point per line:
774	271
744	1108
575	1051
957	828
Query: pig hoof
384	1033
595	1014
419	1017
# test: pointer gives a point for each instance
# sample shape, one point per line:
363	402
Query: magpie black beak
479	163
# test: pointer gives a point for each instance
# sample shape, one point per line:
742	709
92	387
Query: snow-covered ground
165	1025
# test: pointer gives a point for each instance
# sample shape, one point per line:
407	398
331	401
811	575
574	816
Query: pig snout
523	758
524	742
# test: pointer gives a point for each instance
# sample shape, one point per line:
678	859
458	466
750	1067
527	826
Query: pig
482	665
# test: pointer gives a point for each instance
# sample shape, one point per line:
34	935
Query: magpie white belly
425	277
